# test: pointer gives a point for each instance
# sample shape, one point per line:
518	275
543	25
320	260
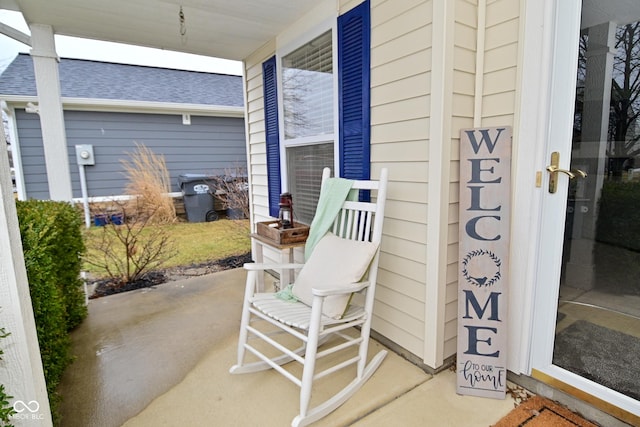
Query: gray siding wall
32	155
208	146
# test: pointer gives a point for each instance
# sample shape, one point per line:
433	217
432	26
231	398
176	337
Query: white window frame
304	31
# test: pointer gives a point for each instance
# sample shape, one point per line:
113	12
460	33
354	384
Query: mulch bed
538	411
107	287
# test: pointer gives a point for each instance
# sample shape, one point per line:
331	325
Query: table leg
285	275
259	254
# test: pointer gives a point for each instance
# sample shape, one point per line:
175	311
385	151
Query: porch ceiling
218	28
622	12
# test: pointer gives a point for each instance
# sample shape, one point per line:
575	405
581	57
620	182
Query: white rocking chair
337	286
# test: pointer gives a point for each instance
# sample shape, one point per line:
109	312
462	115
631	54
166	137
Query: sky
72	47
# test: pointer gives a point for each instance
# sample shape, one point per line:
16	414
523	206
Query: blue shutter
270	84
354	36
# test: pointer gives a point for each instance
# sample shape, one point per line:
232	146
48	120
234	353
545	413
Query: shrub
53	246
6	410
149	182
130	248
619	214
232	190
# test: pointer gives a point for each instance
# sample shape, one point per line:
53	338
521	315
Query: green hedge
52	244
6	409
619	214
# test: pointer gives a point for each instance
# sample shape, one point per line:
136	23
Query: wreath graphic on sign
477	271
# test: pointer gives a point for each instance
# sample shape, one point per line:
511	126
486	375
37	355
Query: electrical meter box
84	154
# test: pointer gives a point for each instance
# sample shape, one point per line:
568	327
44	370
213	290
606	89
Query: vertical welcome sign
485	192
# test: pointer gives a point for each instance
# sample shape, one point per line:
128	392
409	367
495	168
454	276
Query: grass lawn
195	243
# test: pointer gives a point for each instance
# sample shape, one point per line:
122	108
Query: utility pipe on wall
480	41
85	196
84	157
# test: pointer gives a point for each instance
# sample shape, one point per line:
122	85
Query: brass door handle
554	169
577	172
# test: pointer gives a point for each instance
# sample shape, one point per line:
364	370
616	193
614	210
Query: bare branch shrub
149	183
128	249
232	189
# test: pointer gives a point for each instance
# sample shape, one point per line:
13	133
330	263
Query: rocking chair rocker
333	294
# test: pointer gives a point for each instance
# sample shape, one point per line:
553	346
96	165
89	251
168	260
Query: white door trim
559	111
539	41
566	24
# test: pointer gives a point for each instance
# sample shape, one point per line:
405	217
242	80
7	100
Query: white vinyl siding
400	65
256	131
501	61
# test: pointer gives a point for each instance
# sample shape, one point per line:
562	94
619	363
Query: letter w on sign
485	194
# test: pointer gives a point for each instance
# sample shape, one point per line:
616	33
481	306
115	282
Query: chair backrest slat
358	226
367	227
359	232
359	220
338	225
360	206
348	232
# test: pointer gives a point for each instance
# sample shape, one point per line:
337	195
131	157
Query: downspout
247	135
15	151
85	196
479	86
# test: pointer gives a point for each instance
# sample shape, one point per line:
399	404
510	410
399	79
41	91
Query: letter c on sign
471	228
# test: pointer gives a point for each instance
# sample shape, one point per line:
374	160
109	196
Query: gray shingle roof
81	78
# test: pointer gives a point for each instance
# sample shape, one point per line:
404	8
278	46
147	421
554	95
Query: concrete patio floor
160	357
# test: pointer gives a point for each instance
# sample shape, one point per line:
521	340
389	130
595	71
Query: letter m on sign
470	299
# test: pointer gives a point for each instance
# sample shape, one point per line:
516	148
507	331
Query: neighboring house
361	85
194	119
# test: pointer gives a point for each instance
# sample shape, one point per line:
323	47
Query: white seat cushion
333	262
296	314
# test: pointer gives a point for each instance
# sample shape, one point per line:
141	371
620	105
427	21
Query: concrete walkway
160	357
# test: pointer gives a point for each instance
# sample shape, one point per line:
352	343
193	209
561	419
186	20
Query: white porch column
45	63
21	372
591	154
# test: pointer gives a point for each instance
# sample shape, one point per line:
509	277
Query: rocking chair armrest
261	266
349	289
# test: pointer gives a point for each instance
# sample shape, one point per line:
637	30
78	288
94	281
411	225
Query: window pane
304	166
307	87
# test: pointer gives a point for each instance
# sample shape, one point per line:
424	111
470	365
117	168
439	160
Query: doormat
541	412
608	357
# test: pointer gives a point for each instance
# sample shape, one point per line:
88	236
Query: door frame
555	104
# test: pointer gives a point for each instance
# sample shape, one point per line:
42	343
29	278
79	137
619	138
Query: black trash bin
198	200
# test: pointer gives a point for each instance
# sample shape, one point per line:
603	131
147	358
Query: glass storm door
589	281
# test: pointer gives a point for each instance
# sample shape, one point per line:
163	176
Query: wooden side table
286	256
